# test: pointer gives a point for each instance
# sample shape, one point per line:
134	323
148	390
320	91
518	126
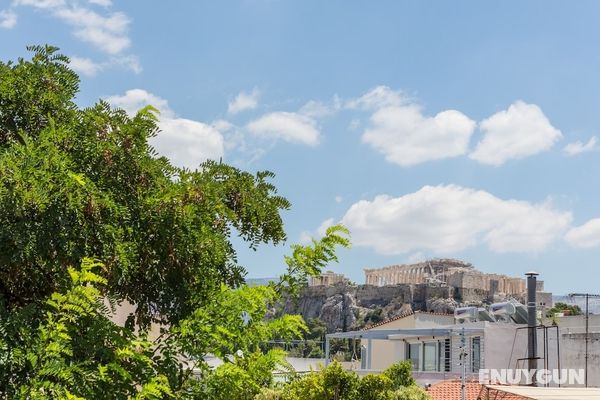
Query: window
430	359
444	356
475	354
414	355
430	356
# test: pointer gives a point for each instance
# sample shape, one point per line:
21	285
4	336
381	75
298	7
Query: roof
404	315
548	393
451	390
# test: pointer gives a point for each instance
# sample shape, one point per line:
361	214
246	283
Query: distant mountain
594	304
260	281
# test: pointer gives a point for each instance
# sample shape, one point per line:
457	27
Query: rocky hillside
346	307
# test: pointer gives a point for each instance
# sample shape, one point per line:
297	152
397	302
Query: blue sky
431	129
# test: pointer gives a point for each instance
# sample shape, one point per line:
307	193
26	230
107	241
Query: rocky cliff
346	306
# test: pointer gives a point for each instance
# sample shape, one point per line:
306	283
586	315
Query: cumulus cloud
520	131
289	126
187	143
85	66
407	137
108	33
579	147
378	97
586	235
448	218
102	3
317	109
244	101
307	236
8	19
88	67
104	30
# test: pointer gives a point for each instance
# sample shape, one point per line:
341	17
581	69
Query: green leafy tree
78	183
85	182
410	393
568	309
400	374
78	352
374	387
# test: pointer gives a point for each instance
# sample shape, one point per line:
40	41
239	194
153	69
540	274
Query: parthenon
449	272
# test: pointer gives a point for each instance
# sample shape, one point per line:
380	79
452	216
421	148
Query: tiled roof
451	390
404	315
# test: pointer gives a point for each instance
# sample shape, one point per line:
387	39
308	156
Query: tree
79	183
85	182
77	352
568	309
400	374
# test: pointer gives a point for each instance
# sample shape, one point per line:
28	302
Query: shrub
410	393
374	387
400	374
269	394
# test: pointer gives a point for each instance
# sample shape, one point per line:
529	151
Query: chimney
532	322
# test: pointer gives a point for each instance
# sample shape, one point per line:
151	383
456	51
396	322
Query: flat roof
403	333
549	393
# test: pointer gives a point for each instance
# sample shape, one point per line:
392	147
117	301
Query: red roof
451	390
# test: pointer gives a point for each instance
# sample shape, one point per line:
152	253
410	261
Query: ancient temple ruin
328	278
447	272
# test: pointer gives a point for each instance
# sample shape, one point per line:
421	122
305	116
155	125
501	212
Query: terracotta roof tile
451	390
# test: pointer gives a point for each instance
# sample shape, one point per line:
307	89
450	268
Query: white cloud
88	67
522	130
376	98
134	99
44	4
106	31
289	126
244	101
316	109
102	3
579	147
307	236
406	137
85	66
339	199
187	143
109	33
8	19
586	235
448	219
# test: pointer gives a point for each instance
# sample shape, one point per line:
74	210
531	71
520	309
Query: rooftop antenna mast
587	327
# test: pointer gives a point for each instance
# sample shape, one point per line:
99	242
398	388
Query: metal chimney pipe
532	322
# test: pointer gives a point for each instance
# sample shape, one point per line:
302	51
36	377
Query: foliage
268	394
335	383
400	374
410	393
374	387
313	339
309	260
78	183
568	309
85	182
77	352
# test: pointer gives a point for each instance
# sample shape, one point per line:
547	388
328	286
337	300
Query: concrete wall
572	345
